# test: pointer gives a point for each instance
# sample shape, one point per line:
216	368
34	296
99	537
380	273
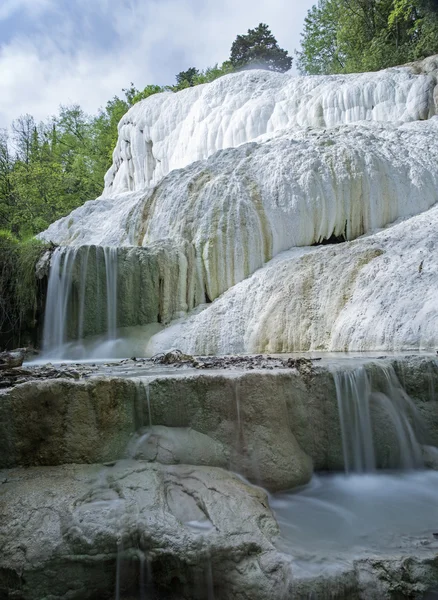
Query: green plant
259	49
20	288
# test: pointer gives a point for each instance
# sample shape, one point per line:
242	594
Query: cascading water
75	284
110	256
82	293
361	410
58	296
344	516
353	392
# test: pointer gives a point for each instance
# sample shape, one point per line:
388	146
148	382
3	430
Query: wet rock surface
75	530
189	528
133	530
11	360
93	420
10	375
259	361
15	375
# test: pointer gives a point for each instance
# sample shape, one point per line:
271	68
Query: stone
10	360
64	530
178	445
60	421
272	426
430	457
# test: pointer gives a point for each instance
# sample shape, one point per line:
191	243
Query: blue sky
56	52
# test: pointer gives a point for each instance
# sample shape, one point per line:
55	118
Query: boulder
95	532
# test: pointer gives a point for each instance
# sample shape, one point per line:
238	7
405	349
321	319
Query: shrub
21	290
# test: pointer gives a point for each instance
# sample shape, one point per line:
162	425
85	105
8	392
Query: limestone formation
163	510
326	159
241	207
169	131
67	532
271	426
359	296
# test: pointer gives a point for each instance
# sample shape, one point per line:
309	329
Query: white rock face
169	131
243	206
258	163
376	293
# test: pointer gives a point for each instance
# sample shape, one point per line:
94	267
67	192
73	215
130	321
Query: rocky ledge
119	478
140	530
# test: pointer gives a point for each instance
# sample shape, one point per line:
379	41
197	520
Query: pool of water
338	517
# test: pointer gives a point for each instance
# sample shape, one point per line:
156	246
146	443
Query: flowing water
353	392
110	257
58	296
341	517
359	404
77	303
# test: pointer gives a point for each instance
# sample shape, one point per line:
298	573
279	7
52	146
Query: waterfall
74	286
58	296
376	415
110	256
82	292
353	392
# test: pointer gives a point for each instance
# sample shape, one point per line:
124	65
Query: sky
56	52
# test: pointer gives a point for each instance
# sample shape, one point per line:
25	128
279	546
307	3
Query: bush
21	291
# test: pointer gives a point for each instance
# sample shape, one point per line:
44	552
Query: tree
344	36
187	78
259	49
7	192
321	52
149	90
212	73
104	132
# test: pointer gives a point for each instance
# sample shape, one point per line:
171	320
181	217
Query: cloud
32	7
85	51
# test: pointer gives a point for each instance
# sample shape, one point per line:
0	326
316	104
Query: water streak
237	398
353	392
148	400
143	393
118	569
74	285
58	295
367	405
82	292
110	256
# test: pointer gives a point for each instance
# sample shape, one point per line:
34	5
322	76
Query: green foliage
321	52
149	90
259	49
53	167
187	78
212	73
344	36
105	133
48	169
19	285
193	76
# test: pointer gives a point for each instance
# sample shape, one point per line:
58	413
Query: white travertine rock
243	206
376	293
169	131
258	163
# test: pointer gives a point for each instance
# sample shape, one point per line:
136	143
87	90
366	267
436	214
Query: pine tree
259	49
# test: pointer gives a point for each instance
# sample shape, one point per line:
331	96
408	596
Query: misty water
343	516
340	517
